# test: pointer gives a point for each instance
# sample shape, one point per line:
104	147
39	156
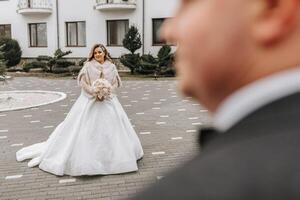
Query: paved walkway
165	122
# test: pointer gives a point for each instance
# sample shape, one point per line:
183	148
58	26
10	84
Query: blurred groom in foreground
241	60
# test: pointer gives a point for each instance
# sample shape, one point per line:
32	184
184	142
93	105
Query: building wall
79	10
19	28
156	9
95	24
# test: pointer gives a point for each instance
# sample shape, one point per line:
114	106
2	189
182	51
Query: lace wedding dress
96	137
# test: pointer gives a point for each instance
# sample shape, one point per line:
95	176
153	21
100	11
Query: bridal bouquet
102	88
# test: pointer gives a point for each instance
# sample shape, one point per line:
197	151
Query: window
76	35
5	31
38	35
116	30
156	25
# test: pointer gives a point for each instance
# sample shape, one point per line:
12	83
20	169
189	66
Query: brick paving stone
176	137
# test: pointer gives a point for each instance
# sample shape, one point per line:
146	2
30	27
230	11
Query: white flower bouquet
102	88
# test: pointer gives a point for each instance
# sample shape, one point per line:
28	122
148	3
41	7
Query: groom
241	60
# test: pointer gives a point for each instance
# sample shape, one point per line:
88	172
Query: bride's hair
103	48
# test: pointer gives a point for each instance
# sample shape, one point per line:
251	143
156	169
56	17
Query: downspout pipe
143	34
57	25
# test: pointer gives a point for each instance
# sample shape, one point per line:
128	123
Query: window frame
107	36
36	35
154	33
10	36
77	34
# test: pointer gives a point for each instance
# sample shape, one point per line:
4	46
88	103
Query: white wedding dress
96	137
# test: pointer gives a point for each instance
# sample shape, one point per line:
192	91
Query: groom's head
226	44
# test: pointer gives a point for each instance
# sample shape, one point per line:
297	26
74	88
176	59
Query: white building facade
42	26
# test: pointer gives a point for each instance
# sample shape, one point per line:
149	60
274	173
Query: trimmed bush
164	55
132	42
48	63
11	51
166	61
63	63
57	60
60	70
2	62
44	58
148	64
162	65
75	69
131	61
35	65
59	53
82	61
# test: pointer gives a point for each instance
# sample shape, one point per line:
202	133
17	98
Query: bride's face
99	55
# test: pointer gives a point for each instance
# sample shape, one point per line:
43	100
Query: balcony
34	7
115	5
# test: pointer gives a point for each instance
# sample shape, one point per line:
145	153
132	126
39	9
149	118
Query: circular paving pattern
22	99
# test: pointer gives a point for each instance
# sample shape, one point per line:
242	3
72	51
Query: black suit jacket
258	158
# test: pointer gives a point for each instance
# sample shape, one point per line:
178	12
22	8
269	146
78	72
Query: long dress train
96	137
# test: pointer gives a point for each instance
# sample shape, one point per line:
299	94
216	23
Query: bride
96	137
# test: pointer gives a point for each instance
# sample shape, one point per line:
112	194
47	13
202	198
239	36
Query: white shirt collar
254	96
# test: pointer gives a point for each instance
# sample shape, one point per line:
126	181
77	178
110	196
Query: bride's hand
99	99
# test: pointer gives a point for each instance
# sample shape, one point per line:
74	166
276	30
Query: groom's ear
274	19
